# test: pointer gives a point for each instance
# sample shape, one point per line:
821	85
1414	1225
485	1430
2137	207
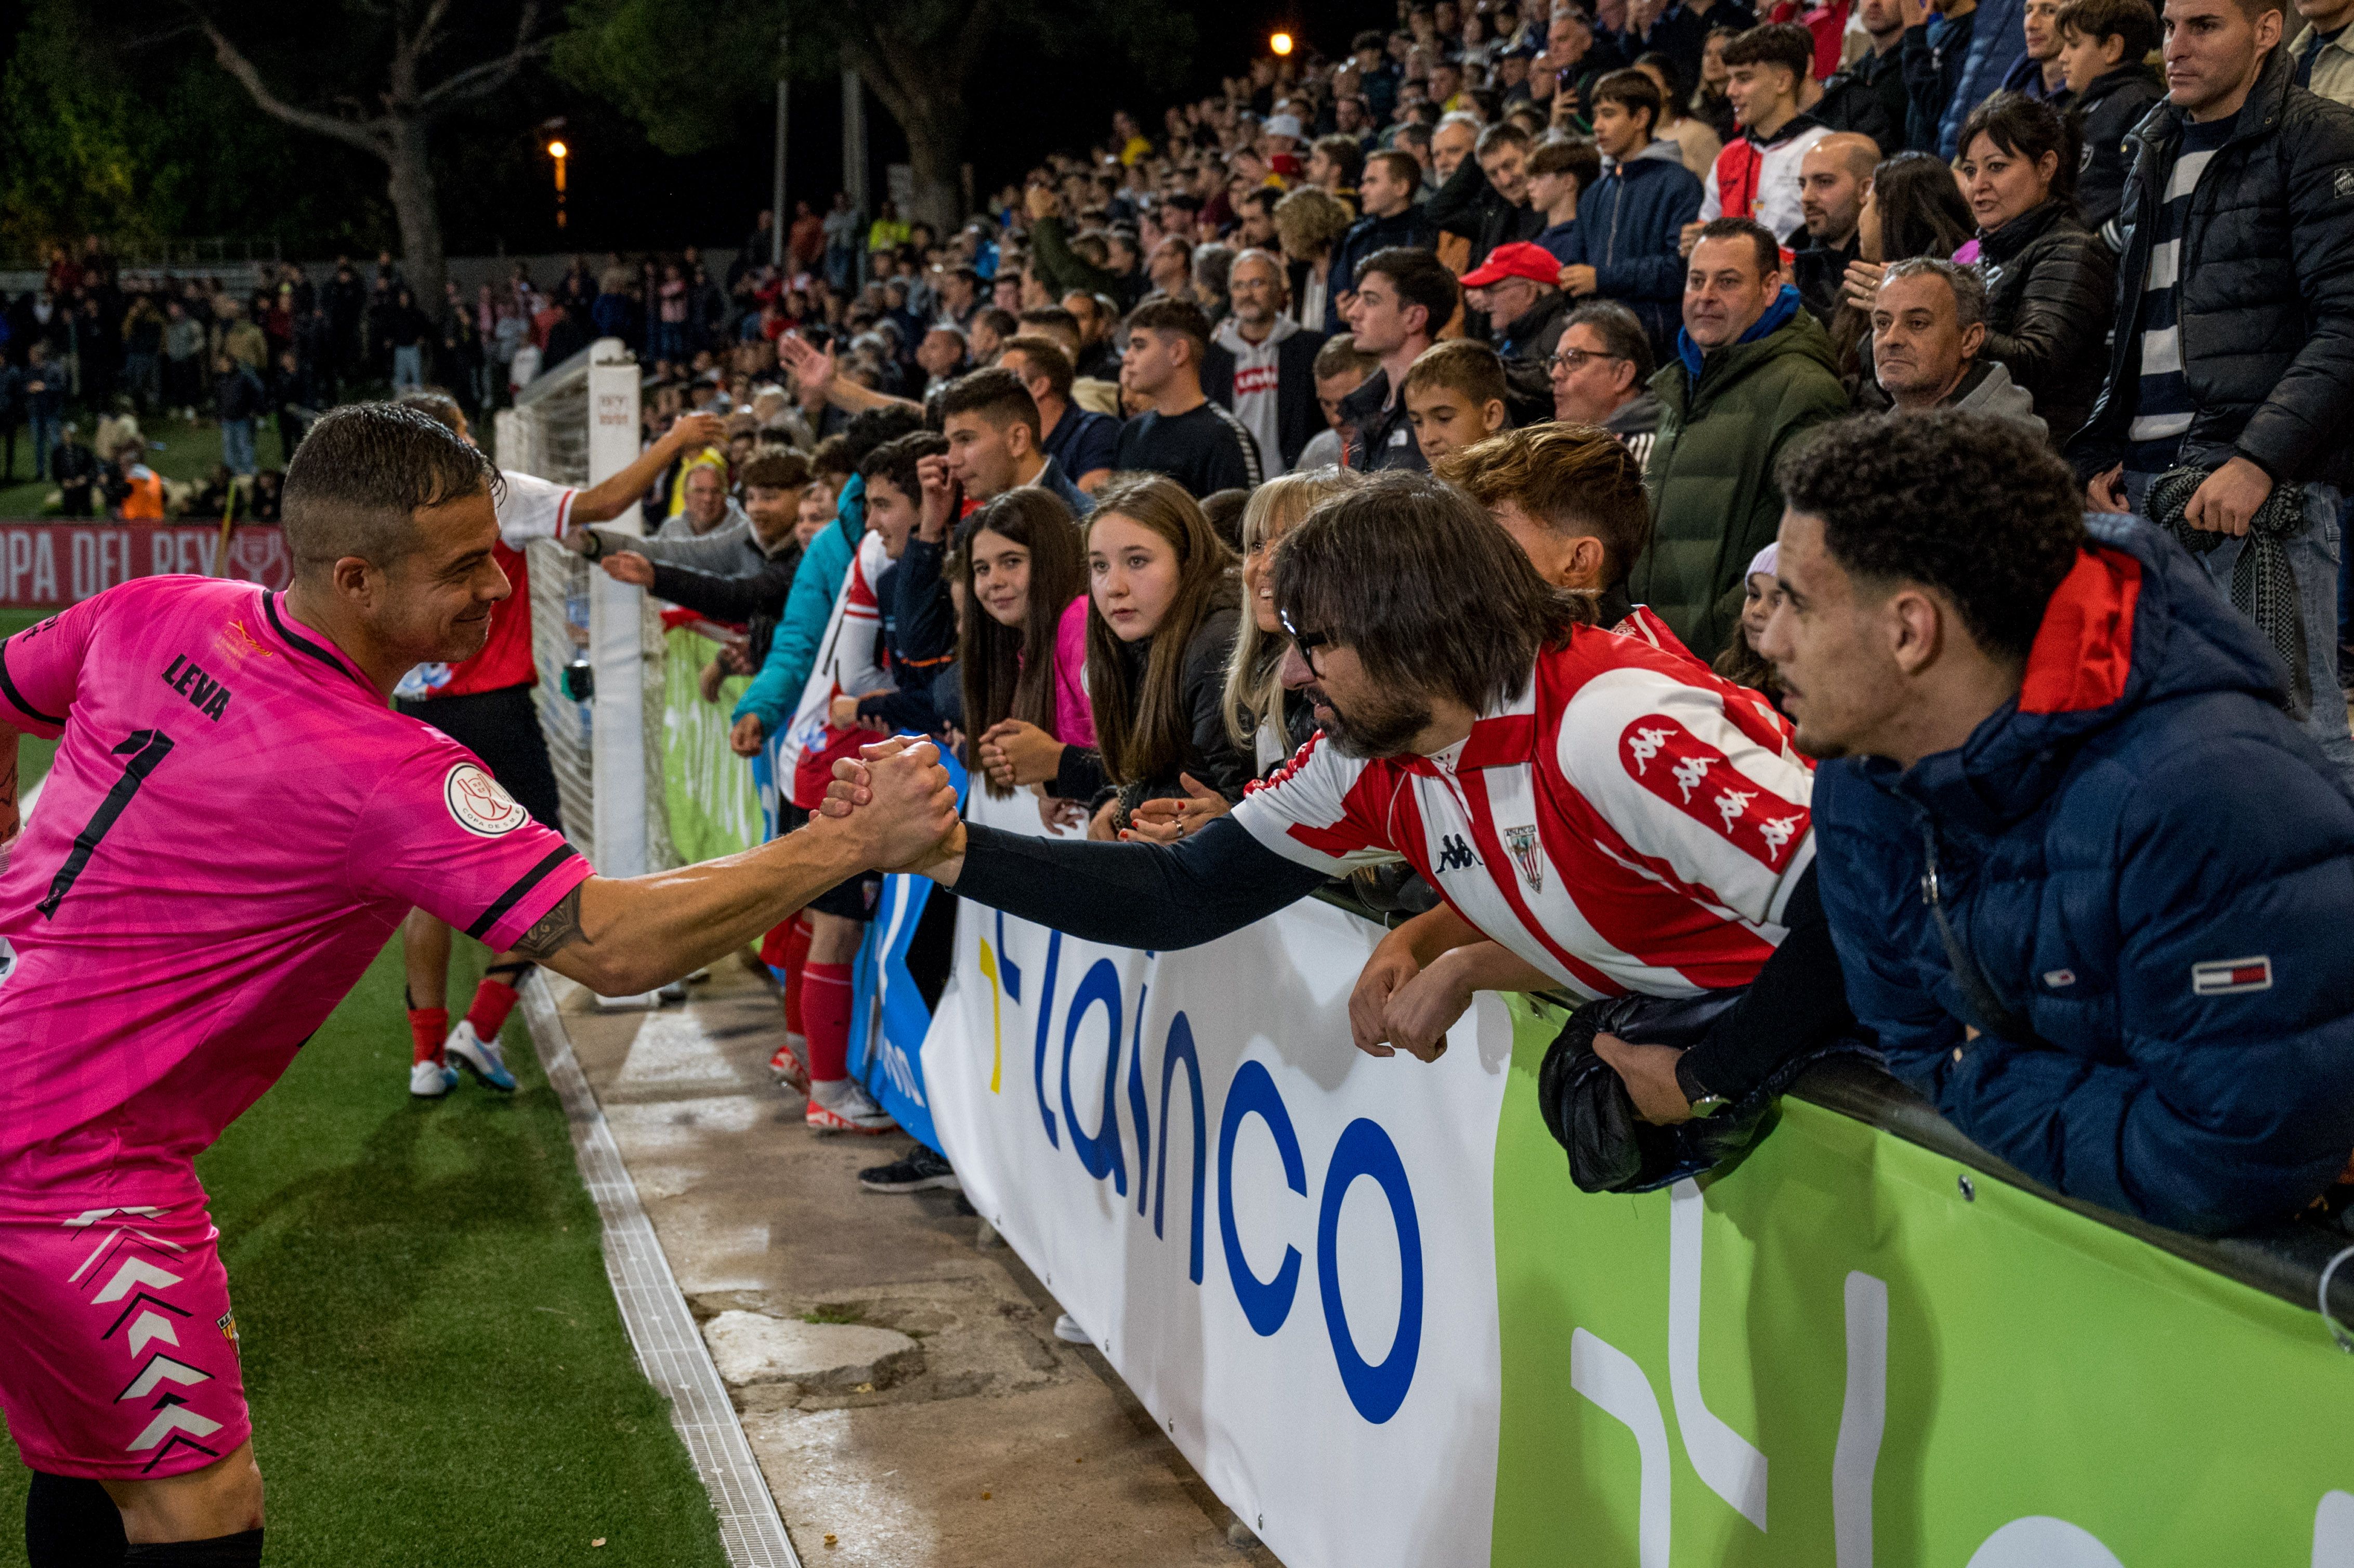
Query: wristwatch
1704	1103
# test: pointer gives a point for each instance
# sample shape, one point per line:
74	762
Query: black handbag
1589	1113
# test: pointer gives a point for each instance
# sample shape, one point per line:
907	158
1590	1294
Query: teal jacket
776	691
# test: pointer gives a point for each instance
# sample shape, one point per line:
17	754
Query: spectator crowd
1963	411
1952	401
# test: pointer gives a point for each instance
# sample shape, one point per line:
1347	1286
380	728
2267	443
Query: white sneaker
479	1056
432	1080
844	1107
1068	1330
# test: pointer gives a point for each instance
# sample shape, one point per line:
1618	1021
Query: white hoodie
1255	391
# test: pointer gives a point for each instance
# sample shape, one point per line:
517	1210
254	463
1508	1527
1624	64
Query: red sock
428	1027
795	965
825	1009
494	1000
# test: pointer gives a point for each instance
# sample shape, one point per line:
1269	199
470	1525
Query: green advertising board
1850	1350
713	808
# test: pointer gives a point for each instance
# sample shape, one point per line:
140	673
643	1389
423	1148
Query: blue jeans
2345	595
237	446
45	437
2313	555
409	367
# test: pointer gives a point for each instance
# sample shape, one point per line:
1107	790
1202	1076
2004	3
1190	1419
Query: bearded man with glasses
1602	816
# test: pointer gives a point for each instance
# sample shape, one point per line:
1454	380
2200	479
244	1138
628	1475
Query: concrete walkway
901	1387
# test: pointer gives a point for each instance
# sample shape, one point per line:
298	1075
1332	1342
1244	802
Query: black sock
70	1523
240	1550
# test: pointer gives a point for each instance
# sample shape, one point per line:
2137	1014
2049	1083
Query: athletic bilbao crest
1523	842
1699	780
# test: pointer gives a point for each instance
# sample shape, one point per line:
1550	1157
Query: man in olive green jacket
1752	372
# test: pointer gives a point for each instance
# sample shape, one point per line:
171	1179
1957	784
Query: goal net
583	623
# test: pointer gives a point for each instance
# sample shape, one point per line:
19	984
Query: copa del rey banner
47	565
1365	1299
1285	1247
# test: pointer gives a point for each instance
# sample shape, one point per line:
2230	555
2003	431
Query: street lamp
559	151
1280	43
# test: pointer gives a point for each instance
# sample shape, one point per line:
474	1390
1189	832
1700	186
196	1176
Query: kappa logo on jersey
479	805
1523	842
1454	855
1681	769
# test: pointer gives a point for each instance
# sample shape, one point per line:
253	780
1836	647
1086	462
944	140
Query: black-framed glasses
1569	359
1305	641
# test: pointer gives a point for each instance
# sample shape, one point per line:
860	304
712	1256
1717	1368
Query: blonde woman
1259	714
1308	224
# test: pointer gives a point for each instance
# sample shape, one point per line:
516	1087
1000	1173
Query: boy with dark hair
1402	297
1756	176
1392	220
1181	432
1454	396
1561	169
1626	248
1084	442
2105	48
993	430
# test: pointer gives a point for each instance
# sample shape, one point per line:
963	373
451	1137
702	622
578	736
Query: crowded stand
1768	526
1634	286
1628	286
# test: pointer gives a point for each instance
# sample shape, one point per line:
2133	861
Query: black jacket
1211	755
2050	290
1469	206
1885	74
1379	423
1854	102
1821	273
1536	334
1930	76
2268	299
1411	228
2105	113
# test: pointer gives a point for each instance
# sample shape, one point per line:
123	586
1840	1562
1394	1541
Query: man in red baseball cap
1519	286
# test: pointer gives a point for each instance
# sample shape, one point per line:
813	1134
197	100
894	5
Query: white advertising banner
1286	1247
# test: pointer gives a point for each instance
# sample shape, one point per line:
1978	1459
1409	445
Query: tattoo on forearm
554	932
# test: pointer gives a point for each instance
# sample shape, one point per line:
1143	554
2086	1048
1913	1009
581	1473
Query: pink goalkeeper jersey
233	826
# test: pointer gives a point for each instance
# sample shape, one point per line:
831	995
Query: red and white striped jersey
849	662
1632	823
1646	623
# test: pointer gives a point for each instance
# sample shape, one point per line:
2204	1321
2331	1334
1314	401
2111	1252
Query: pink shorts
120	1358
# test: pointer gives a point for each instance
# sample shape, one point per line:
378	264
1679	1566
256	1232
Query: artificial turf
438	1372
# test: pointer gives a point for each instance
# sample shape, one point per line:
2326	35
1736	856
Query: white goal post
576	424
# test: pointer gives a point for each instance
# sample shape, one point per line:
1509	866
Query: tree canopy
687	73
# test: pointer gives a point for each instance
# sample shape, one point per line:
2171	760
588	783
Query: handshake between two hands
898	801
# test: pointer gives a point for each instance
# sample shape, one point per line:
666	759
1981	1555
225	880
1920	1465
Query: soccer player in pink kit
234	825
